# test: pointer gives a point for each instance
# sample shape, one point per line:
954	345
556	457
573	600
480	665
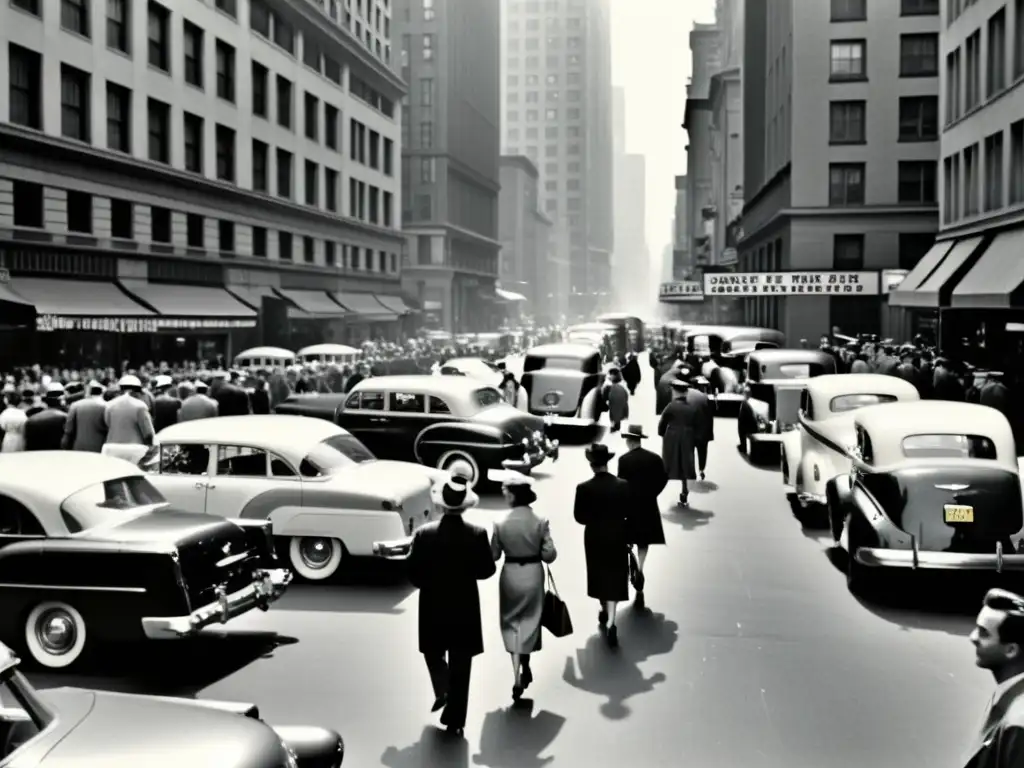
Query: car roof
726	331
291	435
835	384
764	356
421	383
467	359
58	474
568	349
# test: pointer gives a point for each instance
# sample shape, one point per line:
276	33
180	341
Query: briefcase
554	616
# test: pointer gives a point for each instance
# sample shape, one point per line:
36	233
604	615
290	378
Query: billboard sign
829	283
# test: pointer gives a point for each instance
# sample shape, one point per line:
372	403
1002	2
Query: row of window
551	22
848	251
954	8
916	186
550	6
533	115
572	42
534	97
571	78
276	29
857	10
368	18
29	212
550	150
573	60
550	132
977	180
919	57
918	120
966	89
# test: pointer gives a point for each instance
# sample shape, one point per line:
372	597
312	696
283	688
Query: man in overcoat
198	405
705	426
165	404
631	373
86	427
44	430
663	393
447	559
645	472
678	426
602	507
232	400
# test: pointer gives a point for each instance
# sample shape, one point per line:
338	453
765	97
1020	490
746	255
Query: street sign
792	284
682	290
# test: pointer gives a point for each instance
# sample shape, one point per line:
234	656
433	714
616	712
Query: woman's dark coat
631	373
645	472
678	426
602	506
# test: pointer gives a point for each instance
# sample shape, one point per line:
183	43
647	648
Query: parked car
720	353
934	486
91	553
774	382
474	367
74	727
819	448
562	383
325	494
452	423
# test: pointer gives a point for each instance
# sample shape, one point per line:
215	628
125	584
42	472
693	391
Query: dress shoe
439	702
702	475
602	617
613	637
639	602
684	499
526	677
517	692
455	730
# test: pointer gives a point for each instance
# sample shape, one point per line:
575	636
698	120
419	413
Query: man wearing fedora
679	427
602	506
645	472
446	560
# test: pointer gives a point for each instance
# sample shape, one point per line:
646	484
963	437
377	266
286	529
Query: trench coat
1000	740
602	506
631	373
705	416
618	401
678	427
663	392
645	472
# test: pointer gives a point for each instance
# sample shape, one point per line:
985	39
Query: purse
636	576
554	616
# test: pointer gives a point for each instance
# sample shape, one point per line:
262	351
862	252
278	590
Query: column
101	217
243	240
55	210
211	234
143	216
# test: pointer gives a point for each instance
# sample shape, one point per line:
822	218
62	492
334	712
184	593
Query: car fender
234	707
473	438
791	455
588	407
822	459
313	747
357	529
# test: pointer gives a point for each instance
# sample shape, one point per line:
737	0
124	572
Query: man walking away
165	404
44	429
602	506
86	427
129	425
198	405
631	373
645	473
445	562
231	399
678	427
663	392
705	426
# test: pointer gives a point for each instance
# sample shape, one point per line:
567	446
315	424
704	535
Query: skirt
520	601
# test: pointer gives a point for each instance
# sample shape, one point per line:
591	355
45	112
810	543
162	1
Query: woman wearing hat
524	537
616	397
678	426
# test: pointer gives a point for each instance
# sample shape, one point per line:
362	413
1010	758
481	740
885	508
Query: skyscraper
630	290
556	109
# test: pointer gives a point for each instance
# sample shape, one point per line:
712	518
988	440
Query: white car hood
397	480
839	429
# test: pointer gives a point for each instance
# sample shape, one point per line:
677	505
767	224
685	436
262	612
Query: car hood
398	480
838	432
509	418
165	524
125	731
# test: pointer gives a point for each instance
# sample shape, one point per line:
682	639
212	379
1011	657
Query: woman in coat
524	537
678	426
617	398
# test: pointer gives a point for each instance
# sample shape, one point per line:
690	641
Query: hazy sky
651	59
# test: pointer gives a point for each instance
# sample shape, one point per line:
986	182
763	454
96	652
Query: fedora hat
634	431
454	494
599	454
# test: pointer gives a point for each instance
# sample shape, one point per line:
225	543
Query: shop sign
203	323
101	324
792	284
891	279
682	290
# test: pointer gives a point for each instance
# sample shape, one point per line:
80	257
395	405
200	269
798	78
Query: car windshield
109	502
16	696
334	453
561	363
845	403
948	447
792	371
486	397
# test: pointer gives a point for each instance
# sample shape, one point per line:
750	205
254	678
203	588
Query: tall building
725	104
840	149
631	262
164	168
680	265
973	272
556	110
450	176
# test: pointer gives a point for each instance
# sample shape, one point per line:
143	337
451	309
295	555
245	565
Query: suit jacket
45	430
232	400
705	415
645	472
165	411
128	421
447	559
602	506
260	399
197	406
1000	742
86	427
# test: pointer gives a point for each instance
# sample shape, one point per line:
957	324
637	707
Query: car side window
184	459
17	520
864	446
806	405
281	468
406	402
352	404
437	405
241	461
448	370
372	401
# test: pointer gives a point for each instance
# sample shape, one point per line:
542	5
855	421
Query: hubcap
56	632
315	552
461	467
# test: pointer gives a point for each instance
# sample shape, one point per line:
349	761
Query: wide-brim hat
454	494
599	453
635	431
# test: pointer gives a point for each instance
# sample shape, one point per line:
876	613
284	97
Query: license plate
958	513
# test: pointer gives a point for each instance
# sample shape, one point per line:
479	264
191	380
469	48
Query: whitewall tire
461	463
55	634
315	558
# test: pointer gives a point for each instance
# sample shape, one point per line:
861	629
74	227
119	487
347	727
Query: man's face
990	652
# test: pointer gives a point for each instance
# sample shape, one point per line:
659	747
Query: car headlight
526	441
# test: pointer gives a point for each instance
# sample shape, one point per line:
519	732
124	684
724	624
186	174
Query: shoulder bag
555	614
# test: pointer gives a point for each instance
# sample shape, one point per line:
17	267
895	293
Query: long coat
1000	741
86	427
663	392
602	506
705	415
618	401
447	559
165	411
232	400
645	472
44	431
678	427
631	373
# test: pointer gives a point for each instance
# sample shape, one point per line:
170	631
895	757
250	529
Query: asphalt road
753	653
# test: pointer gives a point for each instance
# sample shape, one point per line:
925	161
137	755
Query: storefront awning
509	296
994	281
14	310
316	304
83	305
394	303
929	294
921	272
252	295
366	306
194	307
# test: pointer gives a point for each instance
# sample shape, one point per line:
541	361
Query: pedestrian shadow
703	486
616	674
514	737
435	749
688	518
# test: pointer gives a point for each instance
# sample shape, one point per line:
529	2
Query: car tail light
551	398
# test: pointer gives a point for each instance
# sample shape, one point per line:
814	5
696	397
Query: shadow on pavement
379	589
179	668
687	518
703	486
435	749
763	467
514	737
615	674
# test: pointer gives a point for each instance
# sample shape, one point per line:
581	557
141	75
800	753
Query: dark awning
921	272
366	306
316	304
395	303
994	280
83	305
252	295
15	310
928	295
194	306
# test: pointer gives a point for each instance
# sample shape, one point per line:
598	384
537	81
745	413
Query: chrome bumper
812	498
265	589
939	561
393	550
568	421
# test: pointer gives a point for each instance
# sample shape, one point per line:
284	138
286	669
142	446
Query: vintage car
474	367
819	448
451	423
65	727
628	334
774	382
934	485
264	359
91	552
720	353
325	494
593	334
562	383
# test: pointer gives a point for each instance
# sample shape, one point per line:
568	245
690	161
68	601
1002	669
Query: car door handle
379	420
208	486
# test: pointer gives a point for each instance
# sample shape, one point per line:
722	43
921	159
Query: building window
119	111
225	153
284	246
284	173
159	131
387	208
356	252
118	24
284	35
228	7
159	48
284	102
74	16
426	92
1017	162
996	80
919	55
260	159
427	170
919	8
428	10
994	171
846	184
389	151
312	114
331	190
308	249
919	118
847	60
225	71
160	229
953	90
428	47
259	18
311	55
193	125
74	103
848	253
122	220
846	122
193	45
226	236
972	171
849	10
972	79
79	212
259	241
312	179
1018	40
26	87
259	89
917	182
195	233
331	126
330	257
29	6
28	204
951	189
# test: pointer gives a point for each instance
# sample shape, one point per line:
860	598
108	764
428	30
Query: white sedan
481	370
321	489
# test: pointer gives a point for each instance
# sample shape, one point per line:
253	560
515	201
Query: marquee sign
683	290
138	324
792	284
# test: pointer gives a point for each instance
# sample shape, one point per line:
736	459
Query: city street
753	653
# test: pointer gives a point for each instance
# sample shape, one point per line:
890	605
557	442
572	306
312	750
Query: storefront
314	317
368	318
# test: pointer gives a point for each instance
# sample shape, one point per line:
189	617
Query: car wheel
55	634
460	463
859	578
315	558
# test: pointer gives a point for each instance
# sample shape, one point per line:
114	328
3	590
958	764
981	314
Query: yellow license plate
958	513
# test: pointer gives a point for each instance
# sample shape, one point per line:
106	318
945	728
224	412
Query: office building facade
631	284
700	197
680	265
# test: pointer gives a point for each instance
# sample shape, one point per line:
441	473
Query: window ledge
917	75
917	139
848	143
847	79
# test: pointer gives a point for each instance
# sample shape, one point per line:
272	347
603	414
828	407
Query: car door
364	416
17	522
181	472
406	417
240	473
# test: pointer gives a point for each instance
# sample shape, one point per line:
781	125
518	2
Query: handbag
636	576
554	616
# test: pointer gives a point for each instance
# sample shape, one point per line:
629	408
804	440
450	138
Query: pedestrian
663	393
12	423
631	373
524	537
617	398
602	506
446	560
998	639
231	399
198	405
705	426
165	404
129	425
510	388
678	427
86	427
645	472
44	430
